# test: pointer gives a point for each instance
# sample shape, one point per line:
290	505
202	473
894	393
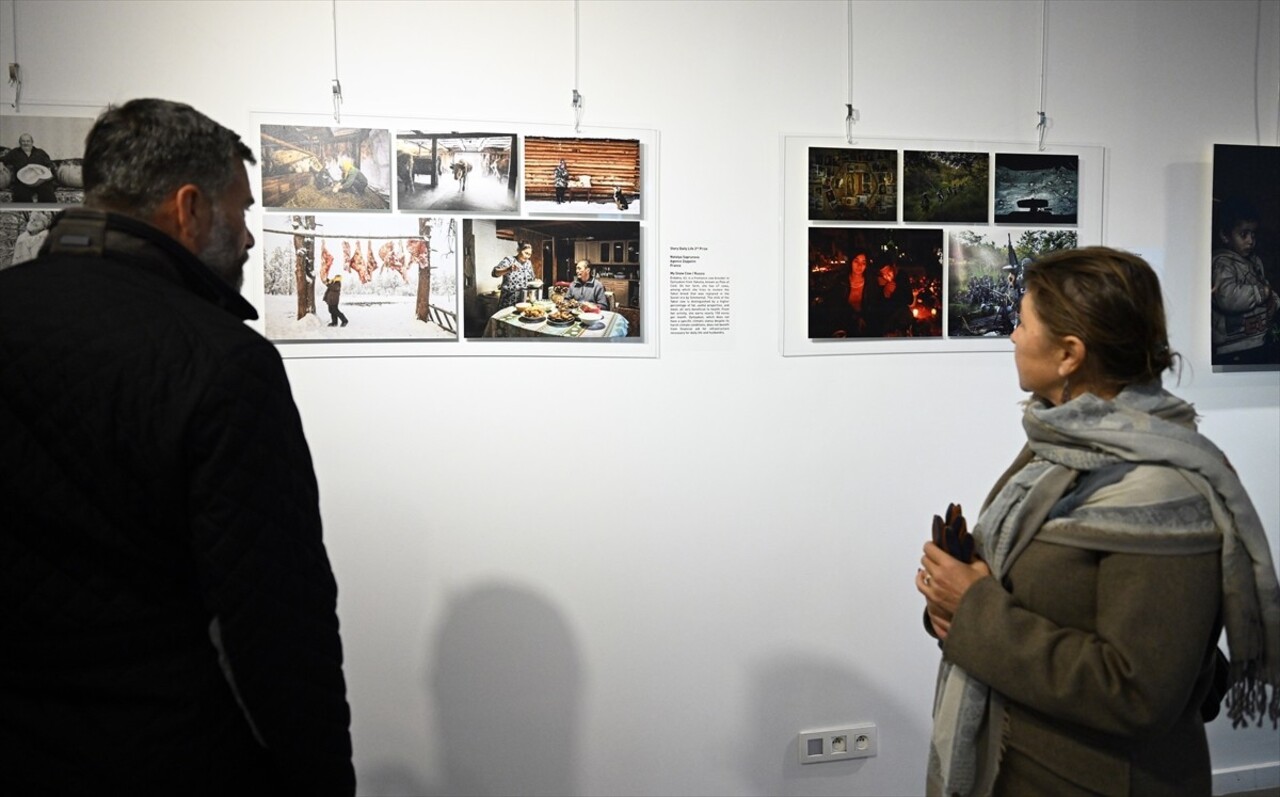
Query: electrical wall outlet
839	744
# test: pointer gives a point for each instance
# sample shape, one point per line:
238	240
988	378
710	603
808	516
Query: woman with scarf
1080	646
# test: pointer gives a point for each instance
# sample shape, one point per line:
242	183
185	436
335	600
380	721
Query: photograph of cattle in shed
41	159
551	279
455	171
340	277
853	184
582	175
945	187
1035	189
984	277
326	168
875	282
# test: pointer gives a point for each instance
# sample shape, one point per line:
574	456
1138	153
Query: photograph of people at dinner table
343	277
551	279
875	282
582	175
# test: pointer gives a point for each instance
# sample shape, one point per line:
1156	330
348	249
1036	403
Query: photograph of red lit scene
875	282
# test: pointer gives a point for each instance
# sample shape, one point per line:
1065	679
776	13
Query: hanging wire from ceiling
337	84
1042	125
577	56
851	115
15	68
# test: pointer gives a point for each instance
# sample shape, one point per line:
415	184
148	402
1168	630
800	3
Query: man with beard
169	612
24	155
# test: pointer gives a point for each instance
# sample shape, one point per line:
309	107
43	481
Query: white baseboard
1238	779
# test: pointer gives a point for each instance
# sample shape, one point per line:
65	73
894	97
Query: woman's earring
1066	391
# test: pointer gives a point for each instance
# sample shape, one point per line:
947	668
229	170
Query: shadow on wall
506	684
796	693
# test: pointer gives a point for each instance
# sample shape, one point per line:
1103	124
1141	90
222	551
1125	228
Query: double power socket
838	744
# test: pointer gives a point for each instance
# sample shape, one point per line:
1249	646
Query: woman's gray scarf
1142	425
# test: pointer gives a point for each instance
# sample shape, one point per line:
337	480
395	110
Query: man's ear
1071	355
190	216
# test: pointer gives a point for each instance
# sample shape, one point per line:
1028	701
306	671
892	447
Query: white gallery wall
644	576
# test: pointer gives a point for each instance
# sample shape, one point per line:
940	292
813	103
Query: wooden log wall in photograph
608	162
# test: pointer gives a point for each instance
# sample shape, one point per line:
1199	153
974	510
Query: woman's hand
943	580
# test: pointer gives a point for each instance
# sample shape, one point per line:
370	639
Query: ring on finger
928	580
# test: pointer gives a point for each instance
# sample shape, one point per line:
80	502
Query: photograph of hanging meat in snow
455	171
326	168
582	175
338	277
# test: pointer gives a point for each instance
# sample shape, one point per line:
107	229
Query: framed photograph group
412	237
918	246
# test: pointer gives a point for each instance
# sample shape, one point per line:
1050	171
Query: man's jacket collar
81	231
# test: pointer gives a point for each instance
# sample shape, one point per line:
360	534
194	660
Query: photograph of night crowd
867	282
985	285
853	184
945	187
1037	189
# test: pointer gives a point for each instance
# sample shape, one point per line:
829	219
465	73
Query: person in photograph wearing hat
37	189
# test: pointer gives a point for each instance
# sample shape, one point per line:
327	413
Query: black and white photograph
326	168
875	282
984	276
339	277
596	176
1245	265
41	159
945	187
22	232
456	172
850	184
552	279
1037	189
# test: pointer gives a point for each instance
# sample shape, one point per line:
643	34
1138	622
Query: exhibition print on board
41	159
326	168
342	277
1245	266
945	187
984	277
447	172
849	184
610	249
875	282
582	175
22	233
1034	189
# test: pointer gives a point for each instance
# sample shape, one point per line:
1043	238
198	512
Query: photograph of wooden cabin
611	250
456	171
582	175
325	168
